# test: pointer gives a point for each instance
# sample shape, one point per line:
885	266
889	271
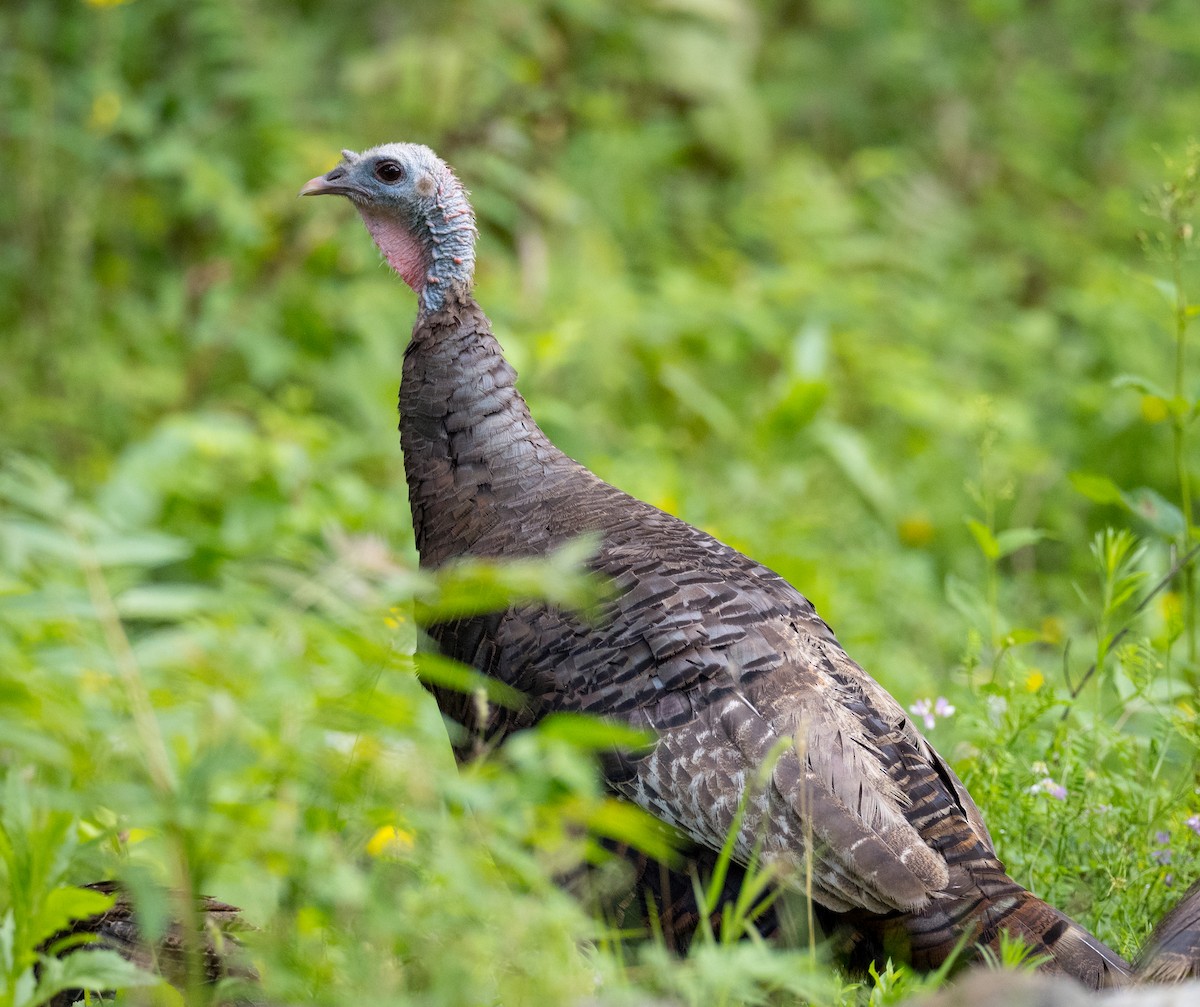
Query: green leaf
594	733
149	898
471	586
7	931
99	970
1143	385
434	669
63	906
1018	538
967	600
627	823
1165	287
1019	637
148	549
695	397
987	542
796	407
23	994
848	450
1125	686
33	486
162	995
1098	489
25	537
167	602
48	606
1124	589
1159	513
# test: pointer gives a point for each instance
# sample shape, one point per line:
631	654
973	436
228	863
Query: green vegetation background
850	283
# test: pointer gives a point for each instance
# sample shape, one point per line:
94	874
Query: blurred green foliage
859	286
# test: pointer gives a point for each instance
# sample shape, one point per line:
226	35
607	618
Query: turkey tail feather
1172	954
965	920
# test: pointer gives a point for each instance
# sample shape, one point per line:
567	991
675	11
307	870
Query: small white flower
997	707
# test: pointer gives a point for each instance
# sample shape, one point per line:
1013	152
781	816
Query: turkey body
745	687
751	700
119	929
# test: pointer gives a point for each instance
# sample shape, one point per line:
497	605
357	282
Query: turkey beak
327	185
316	187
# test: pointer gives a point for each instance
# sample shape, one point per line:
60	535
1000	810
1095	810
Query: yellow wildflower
389	840
915	530
1154	409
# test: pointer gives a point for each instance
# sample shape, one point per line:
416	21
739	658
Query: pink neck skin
403	252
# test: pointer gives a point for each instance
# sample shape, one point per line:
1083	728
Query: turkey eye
389	172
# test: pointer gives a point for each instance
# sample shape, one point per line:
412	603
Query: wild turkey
118	929
718	655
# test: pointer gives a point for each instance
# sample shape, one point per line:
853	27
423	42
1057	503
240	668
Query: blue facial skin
417	212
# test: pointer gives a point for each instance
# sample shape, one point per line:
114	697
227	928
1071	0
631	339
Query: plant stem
154	749
1179	426
1183	563
154	752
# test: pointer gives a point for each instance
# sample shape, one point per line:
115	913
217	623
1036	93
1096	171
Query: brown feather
1172	954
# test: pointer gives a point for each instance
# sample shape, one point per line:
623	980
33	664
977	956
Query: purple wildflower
929	710
1193	823
1162	856
1048	786
923	708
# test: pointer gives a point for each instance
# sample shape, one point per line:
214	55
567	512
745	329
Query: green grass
917	334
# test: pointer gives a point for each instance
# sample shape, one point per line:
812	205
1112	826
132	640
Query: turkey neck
473	456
